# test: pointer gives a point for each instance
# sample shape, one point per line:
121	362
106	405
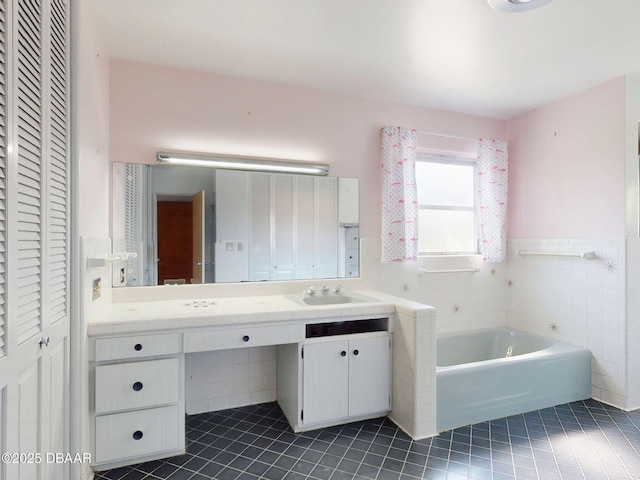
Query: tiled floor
581	440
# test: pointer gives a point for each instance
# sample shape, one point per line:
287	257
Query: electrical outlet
97	288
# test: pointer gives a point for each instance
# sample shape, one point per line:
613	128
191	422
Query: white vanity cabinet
345	378
335	378
137	402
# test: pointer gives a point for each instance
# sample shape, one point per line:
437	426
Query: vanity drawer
134	434
131	385
136	346
352	238
239	337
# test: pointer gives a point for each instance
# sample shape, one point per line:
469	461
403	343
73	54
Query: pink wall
567	167
91	134
158	108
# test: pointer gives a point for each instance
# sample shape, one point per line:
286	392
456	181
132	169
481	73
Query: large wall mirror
202	225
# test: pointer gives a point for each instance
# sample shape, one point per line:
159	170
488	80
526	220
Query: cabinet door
326	228
305	230
283	217
325	388
369	375
260	227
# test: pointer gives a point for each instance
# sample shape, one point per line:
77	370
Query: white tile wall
575	300
464	301
425	377
404	373
633	323
229	378
92	247
593	303
414	359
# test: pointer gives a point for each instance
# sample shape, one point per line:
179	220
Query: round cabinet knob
137	435
343	353
137	386
245	338
356	352
137	347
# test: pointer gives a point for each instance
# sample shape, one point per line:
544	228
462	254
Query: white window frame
453	160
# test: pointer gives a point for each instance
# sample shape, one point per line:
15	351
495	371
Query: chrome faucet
311	291
338	289
325	290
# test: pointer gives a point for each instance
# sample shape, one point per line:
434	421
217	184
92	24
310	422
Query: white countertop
116	318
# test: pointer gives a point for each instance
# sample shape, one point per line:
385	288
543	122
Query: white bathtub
488	374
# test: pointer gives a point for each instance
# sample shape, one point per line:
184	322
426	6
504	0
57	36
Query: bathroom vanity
334	364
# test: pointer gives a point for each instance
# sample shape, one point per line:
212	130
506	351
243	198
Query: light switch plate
97	289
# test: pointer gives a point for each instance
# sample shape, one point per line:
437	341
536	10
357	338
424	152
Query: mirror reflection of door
198	260
181	240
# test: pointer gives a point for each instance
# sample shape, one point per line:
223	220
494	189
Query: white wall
90	139
91	97
569	179
156	108
567	170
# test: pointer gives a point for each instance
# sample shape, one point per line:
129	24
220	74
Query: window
447	205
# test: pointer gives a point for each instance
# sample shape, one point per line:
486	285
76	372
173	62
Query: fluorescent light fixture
232	162
515	6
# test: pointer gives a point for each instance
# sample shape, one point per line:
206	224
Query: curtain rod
433	134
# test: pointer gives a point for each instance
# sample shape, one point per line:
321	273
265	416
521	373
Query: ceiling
457	55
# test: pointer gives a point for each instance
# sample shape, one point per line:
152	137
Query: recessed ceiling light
515	6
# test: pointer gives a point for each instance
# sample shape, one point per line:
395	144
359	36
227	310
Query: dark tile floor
581	440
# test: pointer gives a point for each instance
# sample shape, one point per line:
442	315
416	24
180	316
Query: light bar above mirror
230	162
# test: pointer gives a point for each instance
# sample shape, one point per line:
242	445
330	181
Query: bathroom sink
330	299
327	299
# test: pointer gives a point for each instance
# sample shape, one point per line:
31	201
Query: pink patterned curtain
492	199
399	235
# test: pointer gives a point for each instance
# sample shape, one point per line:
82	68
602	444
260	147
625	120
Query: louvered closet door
35	264
136	221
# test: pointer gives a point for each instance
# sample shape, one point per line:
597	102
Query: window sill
448	263
448	255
